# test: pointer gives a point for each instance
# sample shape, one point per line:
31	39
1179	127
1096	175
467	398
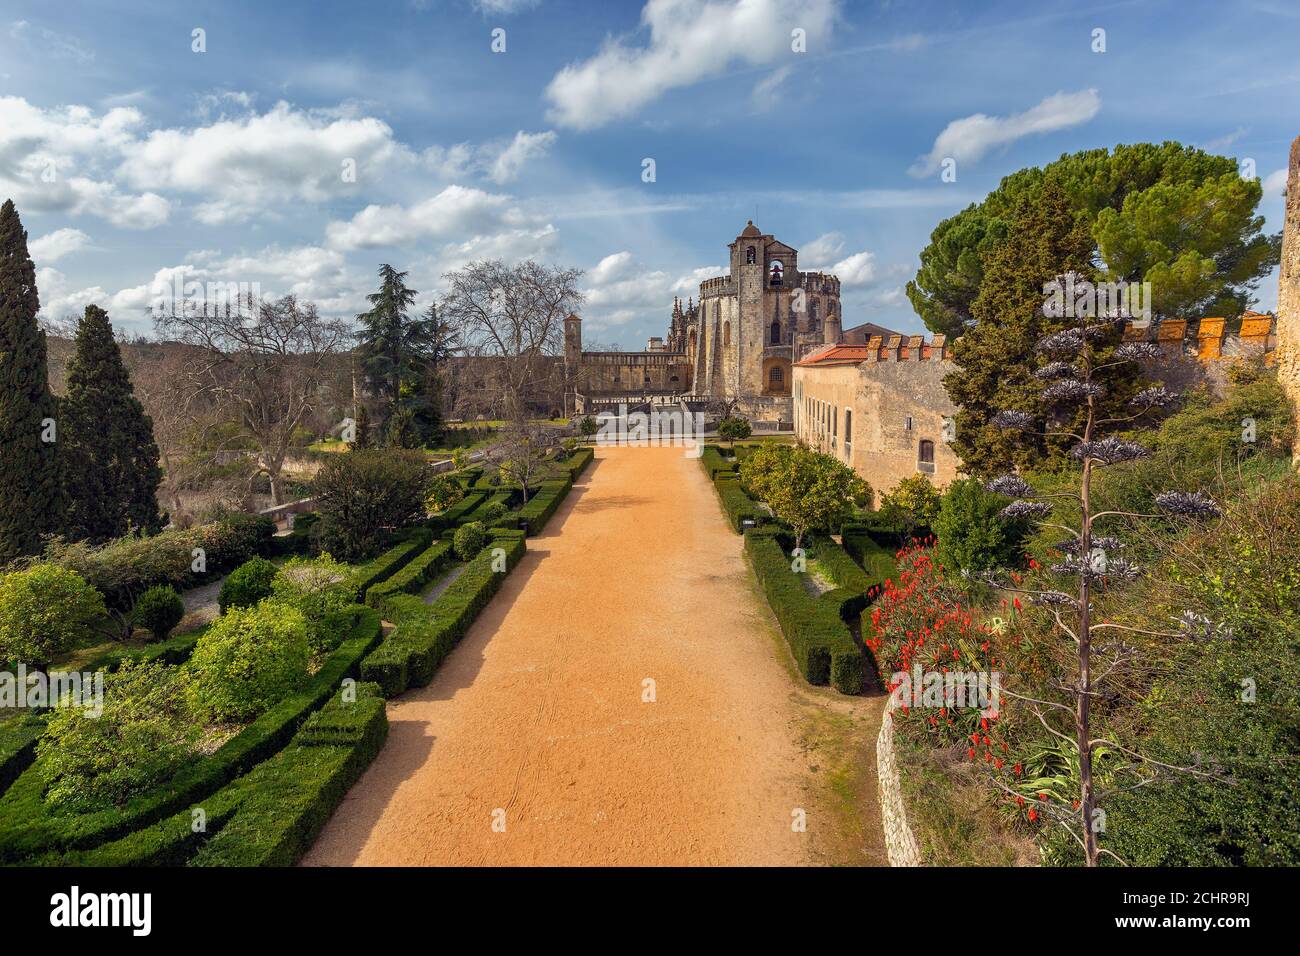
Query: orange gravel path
539	711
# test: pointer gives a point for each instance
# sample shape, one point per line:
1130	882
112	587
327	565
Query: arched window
726	333
925	456
751	255
776	273
812	311
848	433
776	332
776	377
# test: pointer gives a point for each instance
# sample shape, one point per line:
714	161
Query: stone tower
1288	292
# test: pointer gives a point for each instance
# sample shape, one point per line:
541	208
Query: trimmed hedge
878	562
426	634
366	576
175	650
18	738
544	503
415	575
737	504
28	828
714	463
271	815
814	627
458	512
577	463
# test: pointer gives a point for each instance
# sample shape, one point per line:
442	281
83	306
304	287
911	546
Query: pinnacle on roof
750	231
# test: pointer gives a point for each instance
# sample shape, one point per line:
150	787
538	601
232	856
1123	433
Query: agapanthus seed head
1027	509
1053	599
1136	351
1199	627
1065	342
1071	390
1011	418
1188	504
1056	370
1107	544
1110	451
1013	486
1157	396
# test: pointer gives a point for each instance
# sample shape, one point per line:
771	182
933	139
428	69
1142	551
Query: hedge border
426	633
387	564
24	833
417	572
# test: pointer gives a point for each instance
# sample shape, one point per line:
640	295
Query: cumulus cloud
822	251
504	7
524	147
1275	183
689	41
970	138
620	291
55	245
455	211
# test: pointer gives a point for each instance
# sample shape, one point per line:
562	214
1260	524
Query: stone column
1288	293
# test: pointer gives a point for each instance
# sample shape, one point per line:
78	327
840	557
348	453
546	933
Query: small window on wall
907	425
775	332
776	377
751	255
726	333
848	432
925	457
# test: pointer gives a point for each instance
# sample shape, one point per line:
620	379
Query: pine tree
402	357
112	473
30	491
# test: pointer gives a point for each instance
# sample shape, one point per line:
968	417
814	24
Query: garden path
539	721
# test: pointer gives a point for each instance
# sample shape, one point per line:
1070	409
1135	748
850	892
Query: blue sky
135	160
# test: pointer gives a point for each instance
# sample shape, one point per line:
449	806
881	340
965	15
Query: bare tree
266	364
513	314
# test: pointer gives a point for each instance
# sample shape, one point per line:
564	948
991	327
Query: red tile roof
838	354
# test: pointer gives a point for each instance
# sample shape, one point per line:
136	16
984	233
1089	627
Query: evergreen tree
112	472
996	358
30	490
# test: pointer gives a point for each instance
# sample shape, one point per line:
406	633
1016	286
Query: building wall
882	396
1288	293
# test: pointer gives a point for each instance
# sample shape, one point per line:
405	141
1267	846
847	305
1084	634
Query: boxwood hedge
426	633
29	828
737	504
412	542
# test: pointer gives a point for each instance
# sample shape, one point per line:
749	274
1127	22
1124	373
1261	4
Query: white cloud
619	292
524	147
969	138
856	270
610	268
1275	183
457	210
690	40
822	250
55	245
504	7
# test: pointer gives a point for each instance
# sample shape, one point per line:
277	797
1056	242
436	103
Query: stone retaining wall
900	844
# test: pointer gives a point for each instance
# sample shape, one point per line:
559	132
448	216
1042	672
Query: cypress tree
112	459
30	489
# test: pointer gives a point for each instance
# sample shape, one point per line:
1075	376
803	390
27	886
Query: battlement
906	348
1208	339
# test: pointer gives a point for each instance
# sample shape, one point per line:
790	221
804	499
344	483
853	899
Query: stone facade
1288	292
738	344
881	408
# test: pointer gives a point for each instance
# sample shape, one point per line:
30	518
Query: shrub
444	491
734	429
45	610
317	588
806	489
366	494
973	535
247	584
542	505
713	462
912	505
493	510
248	660
738	505
143	735
159	610
469	540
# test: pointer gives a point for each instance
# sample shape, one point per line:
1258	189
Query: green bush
426	634
814	627
145	732
248	660
387	564
738	505
424	568
713	462
318	588
973	535
493	510
159	610
28	830
469	540
734	429
45	610
18	736
546	500
247	584
366	494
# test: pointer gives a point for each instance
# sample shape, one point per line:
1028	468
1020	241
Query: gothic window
776	332
925	456
726	333
751	255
